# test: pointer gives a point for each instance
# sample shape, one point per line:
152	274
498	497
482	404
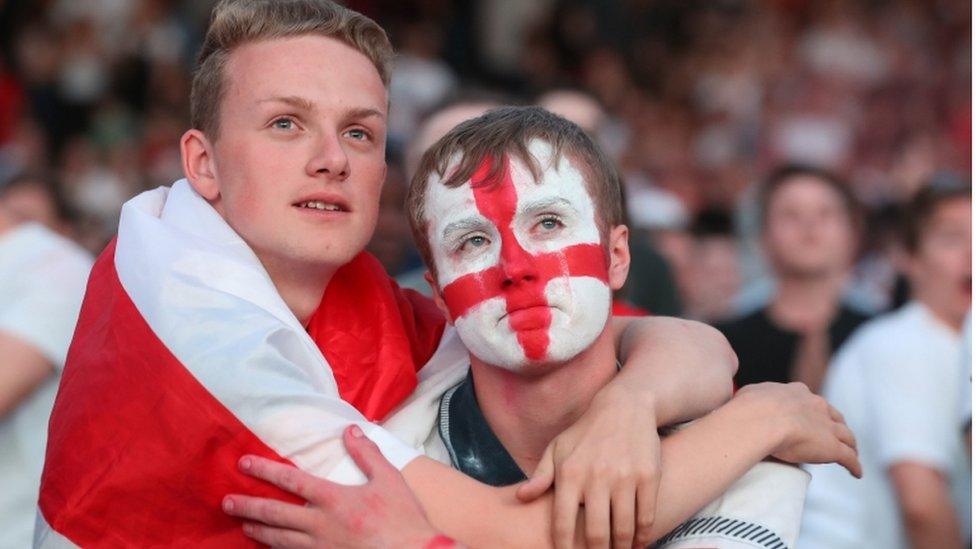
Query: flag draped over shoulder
185	358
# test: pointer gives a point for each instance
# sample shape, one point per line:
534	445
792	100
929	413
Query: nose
328	158
518	265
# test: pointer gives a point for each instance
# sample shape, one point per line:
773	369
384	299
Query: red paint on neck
520	277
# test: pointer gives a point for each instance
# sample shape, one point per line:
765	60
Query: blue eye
359	135
283	123
476	241
550	223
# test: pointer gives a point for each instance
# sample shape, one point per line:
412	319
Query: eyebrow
465	224
308	106
545	203
293	100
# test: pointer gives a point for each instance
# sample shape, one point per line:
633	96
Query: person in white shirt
897	383
42	281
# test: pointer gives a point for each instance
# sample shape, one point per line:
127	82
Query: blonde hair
237	22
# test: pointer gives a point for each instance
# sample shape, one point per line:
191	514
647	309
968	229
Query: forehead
808	190
329	73
956	212
560	181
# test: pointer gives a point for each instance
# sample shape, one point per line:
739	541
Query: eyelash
367	135
553	218
274	123
466	240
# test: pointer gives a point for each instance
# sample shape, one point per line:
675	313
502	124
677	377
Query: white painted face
520	264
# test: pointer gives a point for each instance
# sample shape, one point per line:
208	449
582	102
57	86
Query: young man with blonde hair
236	313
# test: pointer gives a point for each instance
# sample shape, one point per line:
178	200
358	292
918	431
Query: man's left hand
610	462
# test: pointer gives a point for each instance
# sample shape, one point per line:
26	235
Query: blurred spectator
809	231
897	382
713	279
42	281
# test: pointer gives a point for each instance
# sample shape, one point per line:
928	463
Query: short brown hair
782	175
237	22
920	210
508	130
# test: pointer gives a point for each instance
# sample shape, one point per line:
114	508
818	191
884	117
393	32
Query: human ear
619	252
198	166
435	292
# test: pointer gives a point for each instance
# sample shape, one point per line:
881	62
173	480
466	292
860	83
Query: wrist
619	394
761	419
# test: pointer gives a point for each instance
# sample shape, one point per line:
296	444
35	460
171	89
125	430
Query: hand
813	430
381	513
609	461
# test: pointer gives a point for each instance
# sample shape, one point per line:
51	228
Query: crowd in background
698	101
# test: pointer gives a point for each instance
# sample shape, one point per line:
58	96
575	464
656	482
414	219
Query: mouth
323	203
966	285
531	317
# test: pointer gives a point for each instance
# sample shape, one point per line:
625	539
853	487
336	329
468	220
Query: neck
527	411
805	303
7	222
300	285
942	312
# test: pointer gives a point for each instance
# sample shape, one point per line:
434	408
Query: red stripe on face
520	276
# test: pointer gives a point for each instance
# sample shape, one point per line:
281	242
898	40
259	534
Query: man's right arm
926	506
23	368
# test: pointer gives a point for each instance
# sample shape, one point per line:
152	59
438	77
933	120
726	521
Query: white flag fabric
185	358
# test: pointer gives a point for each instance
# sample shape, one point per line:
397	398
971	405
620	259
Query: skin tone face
299	162
941	268
808	231
521	270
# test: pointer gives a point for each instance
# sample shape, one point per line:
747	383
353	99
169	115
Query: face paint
520	263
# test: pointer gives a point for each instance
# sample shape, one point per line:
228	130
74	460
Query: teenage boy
236	313
897	381
518	215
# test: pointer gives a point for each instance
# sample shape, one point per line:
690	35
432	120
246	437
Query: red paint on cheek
520	277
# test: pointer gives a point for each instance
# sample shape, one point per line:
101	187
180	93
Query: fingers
565	508
848	458
622	519
646	510
287	477
845	435
836	415
277	537
541	479
269	511
365	453
597	512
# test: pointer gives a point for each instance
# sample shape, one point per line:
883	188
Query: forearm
678	368
698	464
926	506
23	369
476	514
702	460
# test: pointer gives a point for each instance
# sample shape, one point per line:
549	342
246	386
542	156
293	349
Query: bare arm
700	462
22	370
926	506
681	369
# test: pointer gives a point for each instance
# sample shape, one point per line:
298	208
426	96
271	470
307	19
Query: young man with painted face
517	213
236	314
